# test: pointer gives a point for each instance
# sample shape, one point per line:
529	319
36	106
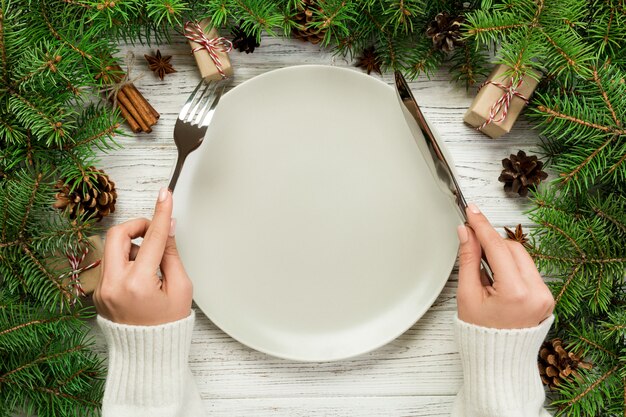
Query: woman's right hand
518	298
131	291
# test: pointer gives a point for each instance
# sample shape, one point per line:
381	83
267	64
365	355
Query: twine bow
114	89
194	33
503	103
74	274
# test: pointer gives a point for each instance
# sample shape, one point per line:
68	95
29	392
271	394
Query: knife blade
441	169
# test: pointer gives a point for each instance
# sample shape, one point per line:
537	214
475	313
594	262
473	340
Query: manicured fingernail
473	208
461	230
163	194
172	227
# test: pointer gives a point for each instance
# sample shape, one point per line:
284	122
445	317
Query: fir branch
77	3
7	264
566	236
610	218
58	36
497	29
108	132
29	149
568	176
29	205
597	346
593	386
59	286
51	126
260	19
605	97
56	392
34	323
545	204
555	113
40	359
579	261
390	47
617	165
401	13
568	58
3	51
567	283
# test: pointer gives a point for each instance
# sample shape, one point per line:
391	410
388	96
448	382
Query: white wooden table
417	374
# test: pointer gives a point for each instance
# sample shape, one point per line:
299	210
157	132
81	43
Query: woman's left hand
131	291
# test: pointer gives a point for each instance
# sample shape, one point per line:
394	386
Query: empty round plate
308	220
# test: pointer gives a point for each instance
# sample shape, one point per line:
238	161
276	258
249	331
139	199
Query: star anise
160	65
518	235
369	60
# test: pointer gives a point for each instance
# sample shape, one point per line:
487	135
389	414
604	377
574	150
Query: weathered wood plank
422	361
333	406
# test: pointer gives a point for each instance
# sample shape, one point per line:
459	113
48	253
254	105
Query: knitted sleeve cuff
500	374
147	364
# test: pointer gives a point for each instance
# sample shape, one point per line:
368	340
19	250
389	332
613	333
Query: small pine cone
521	173
557	364
243	41
93	196
304	18
445	31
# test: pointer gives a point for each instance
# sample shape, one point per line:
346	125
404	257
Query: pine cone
445	31
304	18
92	196
521	173
557	365
244	42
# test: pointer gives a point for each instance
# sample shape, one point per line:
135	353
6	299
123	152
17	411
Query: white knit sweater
149	375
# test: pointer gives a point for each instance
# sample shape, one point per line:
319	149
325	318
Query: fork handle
179	167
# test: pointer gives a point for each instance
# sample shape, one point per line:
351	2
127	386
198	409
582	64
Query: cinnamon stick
140	103
135	109
134	126
148	113
123	98
152	110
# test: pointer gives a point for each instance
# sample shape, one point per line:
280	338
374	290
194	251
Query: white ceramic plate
309	223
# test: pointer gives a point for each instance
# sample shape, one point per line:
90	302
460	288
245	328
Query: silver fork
194	119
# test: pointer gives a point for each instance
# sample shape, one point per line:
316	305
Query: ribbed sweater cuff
147	364
500	371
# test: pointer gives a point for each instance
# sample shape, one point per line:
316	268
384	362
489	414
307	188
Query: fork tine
207	99
187	106
198	102
218	94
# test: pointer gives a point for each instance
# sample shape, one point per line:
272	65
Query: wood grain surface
417	374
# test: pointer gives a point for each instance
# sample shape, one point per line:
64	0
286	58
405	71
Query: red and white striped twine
74	274
504	102
194	33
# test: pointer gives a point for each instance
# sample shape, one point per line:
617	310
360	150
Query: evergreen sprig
47	367
53	55
580	107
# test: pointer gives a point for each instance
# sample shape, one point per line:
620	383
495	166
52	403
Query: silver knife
442	171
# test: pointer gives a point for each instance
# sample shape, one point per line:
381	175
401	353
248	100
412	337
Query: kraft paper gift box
208	69
88	278
490	93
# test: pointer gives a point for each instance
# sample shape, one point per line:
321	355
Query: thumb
470	286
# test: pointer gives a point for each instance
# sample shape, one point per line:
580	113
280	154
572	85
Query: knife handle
486	269
462	204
